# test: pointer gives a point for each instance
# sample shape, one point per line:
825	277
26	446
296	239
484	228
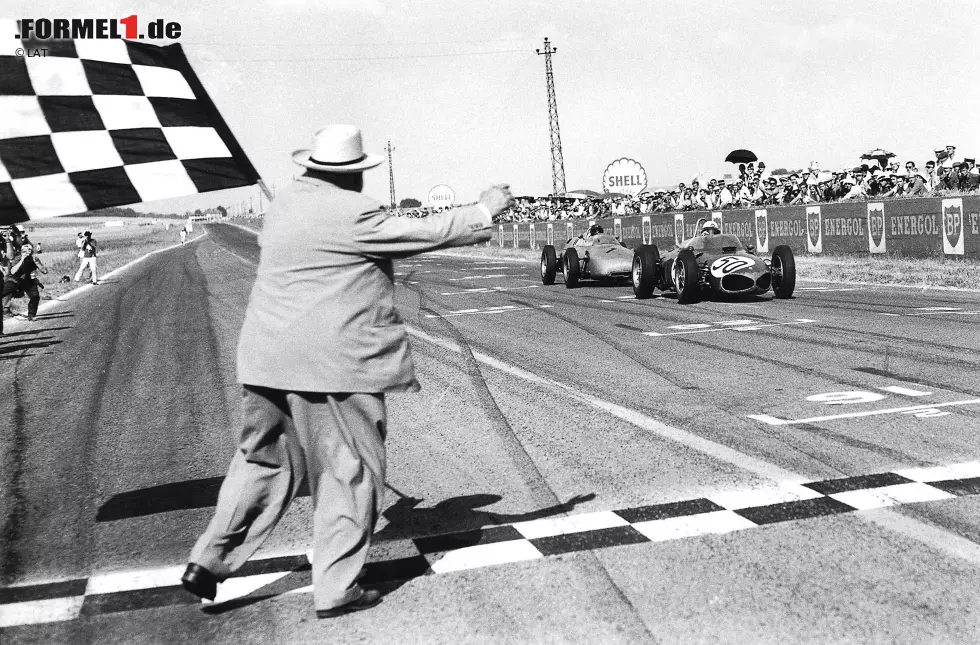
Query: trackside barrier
926	227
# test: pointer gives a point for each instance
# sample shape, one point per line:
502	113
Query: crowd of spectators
754	186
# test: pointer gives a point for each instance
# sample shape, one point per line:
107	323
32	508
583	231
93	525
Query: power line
375	44
365	58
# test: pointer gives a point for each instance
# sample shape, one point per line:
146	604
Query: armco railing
927	227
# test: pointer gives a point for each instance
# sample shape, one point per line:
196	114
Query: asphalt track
580	466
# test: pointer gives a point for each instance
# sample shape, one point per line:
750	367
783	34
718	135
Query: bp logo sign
762	230
953	226
678	228
625	176
876	228
814	230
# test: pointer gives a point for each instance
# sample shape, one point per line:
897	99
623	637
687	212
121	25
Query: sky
460	93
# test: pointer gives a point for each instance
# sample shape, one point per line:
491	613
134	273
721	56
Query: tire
646	263
783	272
549	265
686	280
570	268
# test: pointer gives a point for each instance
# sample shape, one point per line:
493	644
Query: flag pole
265	190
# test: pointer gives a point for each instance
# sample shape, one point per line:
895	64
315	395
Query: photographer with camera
22	280
86	253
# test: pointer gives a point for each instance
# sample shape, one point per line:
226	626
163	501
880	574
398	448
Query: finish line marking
718	513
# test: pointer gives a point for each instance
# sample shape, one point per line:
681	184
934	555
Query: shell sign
625	176
442	195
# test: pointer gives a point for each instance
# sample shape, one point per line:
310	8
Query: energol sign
625	176
442	195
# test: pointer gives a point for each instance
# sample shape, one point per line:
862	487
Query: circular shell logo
625	176
442	195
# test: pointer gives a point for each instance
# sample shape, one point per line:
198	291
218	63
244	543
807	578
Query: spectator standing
88	251
932	175
183	235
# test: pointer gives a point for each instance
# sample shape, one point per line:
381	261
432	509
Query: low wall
902	227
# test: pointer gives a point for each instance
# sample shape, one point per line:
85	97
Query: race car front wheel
783	272
549	264
686	279
570	268
646	259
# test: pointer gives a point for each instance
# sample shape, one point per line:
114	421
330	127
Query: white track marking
493	310
939	473
735	500
485	555
936	313
132	580
799	321
238	587
486	277
891	496
35	612
675	528
487	290
776	421
894	389
827	289
571	524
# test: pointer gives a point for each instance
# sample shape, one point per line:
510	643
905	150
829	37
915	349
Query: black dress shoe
370	598
200	582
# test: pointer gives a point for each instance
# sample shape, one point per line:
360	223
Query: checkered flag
99	123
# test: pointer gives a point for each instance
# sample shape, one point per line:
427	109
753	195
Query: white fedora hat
337	148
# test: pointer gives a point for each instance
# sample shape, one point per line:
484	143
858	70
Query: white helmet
710	226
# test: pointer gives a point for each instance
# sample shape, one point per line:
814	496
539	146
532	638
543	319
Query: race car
595	255
712	263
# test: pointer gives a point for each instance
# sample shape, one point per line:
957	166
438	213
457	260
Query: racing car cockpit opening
723	243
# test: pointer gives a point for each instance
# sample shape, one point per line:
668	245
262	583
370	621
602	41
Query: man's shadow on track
451	524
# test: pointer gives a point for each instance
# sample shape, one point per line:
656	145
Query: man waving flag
88	124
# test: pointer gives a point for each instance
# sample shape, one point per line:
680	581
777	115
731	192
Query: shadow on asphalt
177	496
459	518
6	350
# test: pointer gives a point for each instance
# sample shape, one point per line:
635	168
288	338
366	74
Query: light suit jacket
321	316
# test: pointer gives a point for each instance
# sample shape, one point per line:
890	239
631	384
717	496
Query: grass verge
117	247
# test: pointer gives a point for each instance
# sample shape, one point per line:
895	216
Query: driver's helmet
595	229
710	228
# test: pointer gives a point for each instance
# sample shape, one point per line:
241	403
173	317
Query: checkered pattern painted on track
723	512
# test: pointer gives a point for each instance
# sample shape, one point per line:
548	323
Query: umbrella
587	193
878	153
741	156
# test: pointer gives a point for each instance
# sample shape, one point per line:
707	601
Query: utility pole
391	175
557	163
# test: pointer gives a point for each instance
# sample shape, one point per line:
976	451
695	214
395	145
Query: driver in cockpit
710	228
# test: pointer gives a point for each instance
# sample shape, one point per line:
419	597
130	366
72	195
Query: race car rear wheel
783	272
686	279
549	264
646	260
570	268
